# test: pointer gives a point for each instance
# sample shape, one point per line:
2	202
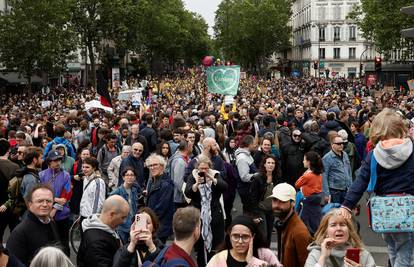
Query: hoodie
391	154
395	171
338	253
59	140
67	161
99	243
93	222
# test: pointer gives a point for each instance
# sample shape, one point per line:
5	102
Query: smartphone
203	175
140	222
353	254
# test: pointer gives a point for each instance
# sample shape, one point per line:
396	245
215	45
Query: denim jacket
337	172
133	207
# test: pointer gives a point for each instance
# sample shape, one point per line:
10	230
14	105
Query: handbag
392	213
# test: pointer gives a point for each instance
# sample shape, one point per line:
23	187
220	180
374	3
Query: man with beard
292	235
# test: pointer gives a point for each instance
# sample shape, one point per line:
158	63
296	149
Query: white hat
284	192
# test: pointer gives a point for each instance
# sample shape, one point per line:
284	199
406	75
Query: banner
410	84
223	80
115	78
96	104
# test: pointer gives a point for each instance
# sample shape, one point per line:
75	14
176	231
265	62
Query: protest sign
223	80
97	104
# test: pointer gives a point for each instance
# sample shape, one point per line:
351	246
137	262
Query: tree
97	21
381	22
168	33
36	37
250	31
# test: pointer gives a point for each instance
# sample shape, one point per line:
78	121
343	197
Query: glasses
153	165
139	150
41	201
297	135
129	174
242	238
339	143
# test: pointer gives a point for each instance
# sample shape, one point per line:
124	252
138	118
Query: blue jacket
399	180
137	165
133	206
337	172
160	200
57	141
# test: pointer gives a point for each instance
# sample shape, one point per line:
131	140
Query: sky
206	8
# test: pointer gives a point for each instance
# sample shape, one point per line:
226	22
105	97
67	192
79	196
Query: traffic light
315	65
378	64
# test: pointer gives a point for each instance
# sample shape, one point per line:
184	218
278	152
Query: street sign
321	64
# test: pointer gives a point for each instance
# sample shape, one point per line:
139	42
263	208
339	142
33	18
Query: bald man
211	150
100	241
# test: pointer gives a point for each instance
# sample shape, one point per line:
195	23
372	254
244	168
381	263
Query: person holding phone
337	244
144	244
205	188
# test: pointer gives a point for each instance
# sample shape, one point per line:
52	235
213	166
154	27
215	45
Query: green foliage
167	32
250	31
36	36
381	22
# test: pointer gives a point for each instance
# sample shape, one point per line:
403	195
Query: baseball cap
284	192
53	155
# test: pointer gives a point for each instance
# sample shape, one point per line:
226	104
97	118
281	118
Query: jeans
400	249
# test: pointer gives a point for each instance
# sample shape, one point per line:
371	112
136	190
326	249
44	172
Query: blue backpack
161	262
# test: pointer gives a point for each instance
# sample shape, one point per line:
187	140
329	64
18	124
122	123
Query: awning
16	78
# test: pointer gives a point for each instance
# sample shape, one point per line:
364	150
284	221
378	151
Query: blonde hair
387	125
204	159
51	257
320	234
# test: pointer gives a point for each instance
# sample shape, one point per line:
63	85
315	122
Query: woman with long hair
243	246
393	152
260	207
164	150
332	239
310	184
144	244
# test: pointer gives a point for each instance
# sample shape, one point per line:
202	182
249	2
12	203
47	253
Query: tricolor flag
102	89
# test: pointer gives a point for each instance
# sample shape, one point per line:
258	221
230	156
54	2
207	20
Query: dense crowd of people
170	169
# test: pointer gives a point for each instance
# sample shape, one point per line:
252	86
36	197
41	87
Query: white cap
284	192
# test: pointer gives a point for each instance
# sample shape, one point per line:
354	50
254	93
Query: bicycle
75	233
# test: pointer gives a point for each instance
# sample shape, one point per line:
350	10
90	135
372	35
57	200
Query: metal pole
360	61
319	52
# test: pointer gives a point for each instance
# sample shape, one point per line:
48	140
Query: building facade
324	37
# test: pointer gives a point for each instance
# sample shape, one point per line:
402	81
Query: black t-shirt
231	262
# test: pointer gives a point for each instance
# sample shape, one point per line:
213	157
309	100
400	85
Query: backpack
18	205
161	262
321	147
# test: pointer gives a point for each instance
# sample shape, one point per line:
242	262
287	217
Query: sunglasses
339	143
297	135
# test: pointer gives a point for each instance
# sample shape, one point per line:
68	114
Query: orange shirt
310	183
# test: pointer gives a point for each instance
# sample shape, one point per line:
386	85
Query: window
322	33
337	33
337	52
322	53
352	33
337	12
321	13
352	52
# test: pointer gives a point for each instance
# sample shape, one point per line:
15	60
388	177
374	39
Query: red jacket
175	252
